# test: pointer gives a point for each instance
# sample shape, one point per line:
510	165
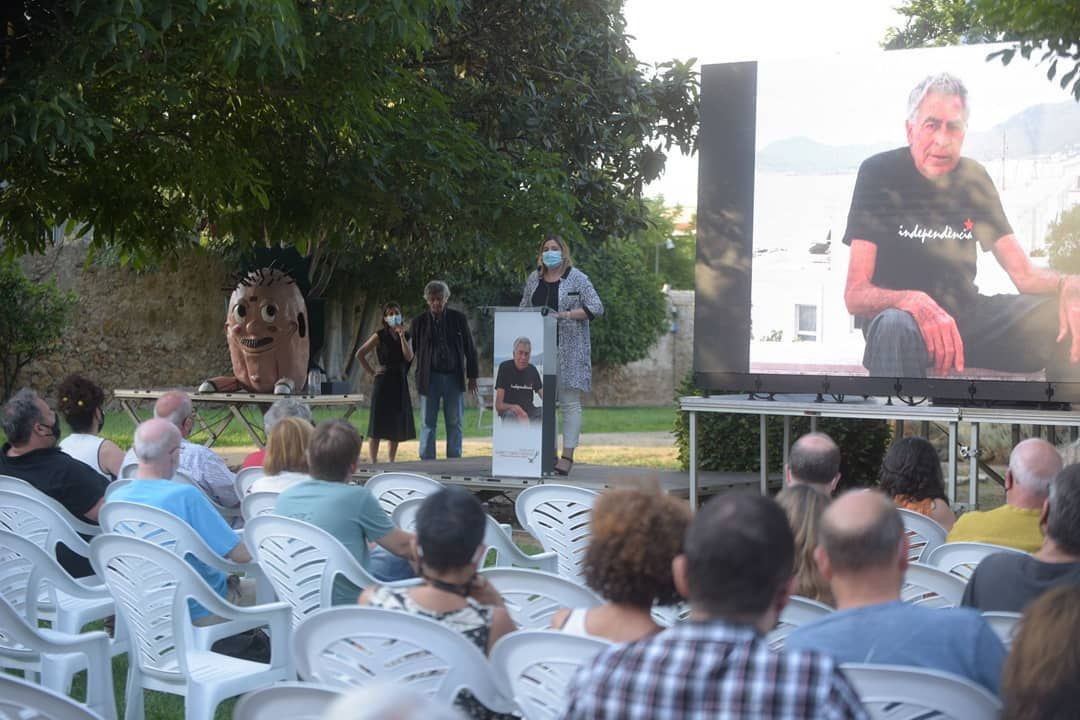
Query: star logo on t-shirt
968	224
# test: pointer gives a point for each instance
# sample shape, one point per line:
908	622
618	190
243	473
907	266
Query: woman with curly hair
911	476
803	506
82	403
1039	680
635	536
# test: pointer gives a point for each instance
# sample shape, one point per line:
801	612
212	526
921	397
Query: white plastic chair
40	522
534	667
67	603
257	503
292	700
558	517
56	656
933	587
352	646
37	588
302	562
127	472
391	488
229	513
14	484
500	544
924	534
175	535
152	587
21	700
798	611
244	478
896	692
1004	625
961	558
532	597
116	485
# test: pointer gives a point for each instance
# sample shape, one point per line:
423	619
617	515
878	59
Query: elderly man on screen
917	215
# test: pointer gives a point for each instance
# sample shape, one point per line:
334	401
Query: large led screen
879	224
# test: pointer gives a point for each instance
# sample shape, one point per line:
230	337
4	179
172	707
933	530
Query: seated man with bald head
814	460
863	553
1032	465
202	464
158	447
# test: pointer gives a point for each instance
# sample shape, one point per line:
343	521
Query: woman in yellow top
911	476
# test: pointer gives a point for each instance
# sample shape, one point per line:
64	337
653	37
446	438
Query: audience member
1032	465
1040	679
286	456
348	512
1009	581
814	460
31	454
388	701
804	504
635	534
82	403
735	571
911	476
281	409
199	462
449	536
158	448
864	555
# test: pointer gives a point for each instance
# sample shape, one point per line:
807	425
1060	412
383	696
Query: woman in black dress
391	408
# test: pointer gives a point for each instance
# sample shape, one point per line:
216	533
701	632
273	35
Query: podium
525	354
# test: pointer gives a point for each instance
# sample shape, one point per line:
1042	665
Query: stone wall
165	328
653	380
153	329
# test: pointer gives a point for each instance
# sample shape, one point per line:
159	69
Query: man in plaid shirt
736	572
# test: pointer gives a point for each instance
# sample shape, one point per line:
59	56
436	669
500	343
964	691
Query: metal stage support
873	408
234	404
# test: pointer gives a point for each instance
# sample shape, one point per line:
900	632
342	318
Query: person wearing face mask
565	290
31	454
82	405
449	550
391	416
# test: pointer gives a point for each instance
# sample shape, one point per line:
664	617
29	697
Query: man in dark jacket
445	358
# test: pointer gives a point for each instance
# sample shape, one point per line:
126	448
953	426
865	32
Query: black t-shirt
519	385
1007	582
74	484
926	230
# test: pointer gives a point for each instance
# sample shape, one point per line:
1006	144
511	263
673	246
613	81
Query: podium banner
525	358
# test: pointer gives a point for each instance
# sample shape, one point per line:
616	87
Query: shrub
731	442
33	318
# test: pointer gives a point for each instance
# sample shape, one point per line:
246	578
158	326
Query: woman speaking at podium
556	284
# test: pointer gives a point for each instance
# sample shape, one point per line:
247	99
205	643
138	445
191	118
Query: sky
728	30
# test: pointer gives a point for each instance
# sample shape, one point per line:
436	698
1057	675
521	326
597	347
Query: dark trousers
1012	333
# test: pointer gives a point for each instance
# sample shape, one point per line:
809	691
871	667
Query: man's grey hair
437	288
283	408
1033	464
523	341
182	412
154	441
942	84
20	413
382	701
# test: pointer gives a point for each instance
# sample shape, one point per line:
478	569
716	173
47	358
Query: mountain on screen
1037	130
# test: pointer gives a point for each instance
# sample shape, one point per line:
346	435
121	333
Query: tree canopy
1047	29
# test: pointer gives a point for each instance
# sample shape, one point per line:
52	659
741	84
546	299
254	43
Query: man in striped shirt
736	573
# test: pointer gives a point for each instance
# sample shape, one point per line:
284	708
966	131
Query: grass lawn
119	427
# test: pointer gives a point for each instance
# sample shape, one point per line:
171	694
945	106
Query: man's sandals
564	465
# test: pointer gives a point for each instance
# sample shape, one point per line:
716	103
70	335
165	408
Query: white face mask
393	320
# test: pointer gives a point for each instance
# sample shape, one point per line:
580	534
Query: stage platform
474	473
